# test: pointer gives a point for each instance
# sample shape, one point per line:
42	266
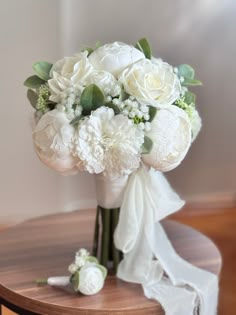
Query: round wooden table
44	247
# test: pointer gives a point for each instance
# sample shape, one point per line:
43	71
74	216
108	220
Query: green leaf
92	259
42	69
32	97
147	145
152	112
91	98
144	46
34	82
186	71
123	95
189	98
76	120
88	49
74	280
103	270
190	82
114	107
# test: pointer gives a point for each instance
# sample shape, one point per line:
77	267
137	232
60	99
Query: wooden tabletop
45	247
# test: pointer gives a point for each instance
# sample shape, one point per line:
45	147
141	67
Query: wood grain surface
45	246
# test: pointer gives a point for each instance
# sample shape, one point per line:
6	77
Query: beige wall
200	33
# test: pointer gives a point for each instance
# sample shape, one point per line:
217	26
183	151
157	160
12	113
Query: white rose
91	279
152	82
53	138
69	72
196	124
115	57
171	136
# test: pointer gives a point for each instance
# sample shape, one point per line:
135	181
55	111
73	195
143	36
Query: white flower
69	72
80	261
171	136
109	143
72	268
196	123
91	279
82	252
106	82
53	140
115	57
151	82
75	68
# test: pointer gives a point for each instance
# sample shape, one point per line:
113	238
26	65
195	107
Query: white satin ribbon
181	288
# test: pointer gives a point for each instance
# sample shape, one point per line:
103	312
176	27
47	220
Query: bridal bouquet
119	113
109	109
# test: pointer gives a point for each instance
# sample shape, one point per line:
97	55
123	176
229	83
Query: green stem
41	281
96	233
105	236
115	251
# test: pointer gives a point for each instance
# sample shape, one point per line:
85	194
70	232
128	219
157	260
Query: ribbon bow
149	257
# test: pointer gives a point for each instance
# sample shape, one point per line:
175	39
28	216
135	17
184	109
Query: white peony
196	124
115	57
171	136
53	139
108	143
69	72
152	82
106	82
91	279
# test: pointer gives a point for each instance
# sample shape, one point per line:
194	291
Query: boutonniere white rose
109	109
87	275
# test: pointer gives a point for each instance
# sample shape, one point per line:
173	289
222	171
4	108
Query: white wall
197	32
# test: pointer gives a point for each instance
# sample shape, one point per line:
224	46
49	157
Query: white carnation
91	279
152	82
53	139
115	57
171	136
108	143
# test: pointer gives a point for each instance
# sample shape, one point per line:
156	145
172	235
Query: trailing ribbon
150	259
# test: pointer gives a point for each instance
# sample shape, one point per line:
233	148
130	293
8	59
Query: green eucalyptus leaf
74	280
42	69
32	97
103	270
98	44
88	49
91	98
92	259
147	145
186	71
34	82
123	95
152	112
76	120
190	82
144	46
189	98
114	107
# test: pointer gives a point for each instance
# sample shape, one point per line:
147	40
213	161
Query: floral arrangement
120	113
109	109
87	275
